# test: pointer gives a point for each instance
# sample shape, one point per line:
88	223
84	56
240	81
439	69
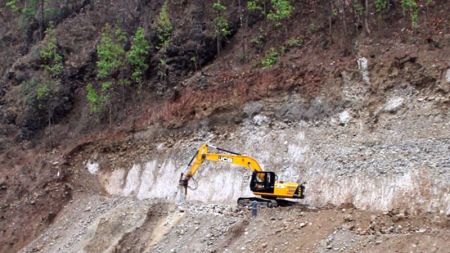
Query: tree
281	10
29	10
366	16
93	99
241	25
12	5
257	6
51	58
111	60
221	26
110	52
380	6
270	58
53	64
413	9
164	27
137	55
254	6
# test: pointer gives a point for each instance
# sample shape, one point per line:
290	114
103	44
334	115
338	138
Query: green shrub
291	43
110	52
106	86
137	55
281	10
53	61
221	27
28	14
28	88
218	6
12	5
380	5
38	93
112	59
164	27
312	28
258	42
32	12
359	8
123	82
43	91
254	6
413	9
270	58
94	100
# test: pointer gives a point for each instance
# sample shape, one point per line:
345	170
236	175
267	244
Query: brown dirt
130	225
301	230
138	239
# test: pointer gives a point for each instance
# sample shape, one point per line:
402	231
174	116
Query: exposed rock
344	118
92	167
393	104
261	120
447	76
363	66
348	218
348	226
252	108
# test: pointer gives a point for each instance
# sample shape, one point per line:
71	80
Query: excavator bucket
183	183
182	190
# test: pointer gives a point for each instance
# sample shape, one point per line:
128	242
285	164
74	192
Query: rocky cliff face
401	163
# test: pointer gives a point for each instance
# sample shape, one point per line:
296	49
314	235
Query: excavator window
262	181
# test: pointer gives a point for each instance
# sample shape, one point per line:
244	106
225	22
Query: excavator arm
204	154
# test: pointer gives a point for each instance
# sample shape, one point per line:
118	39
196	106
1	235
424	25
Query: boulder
344	118
393	104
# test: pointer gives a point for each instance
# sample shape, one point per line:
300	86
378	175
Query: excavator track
269	203
247	202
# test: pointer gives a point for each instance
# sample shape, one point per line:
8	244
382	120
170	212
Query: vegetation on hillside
221	25
126	61
164	27
116	67
137	55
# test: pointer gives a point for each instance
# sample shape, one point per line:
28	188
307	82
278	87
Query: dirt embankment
127	225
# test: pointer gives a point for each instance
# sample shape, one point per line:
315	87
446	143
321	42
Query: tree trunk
41	22
330	16
50	139
218	45
344	17
241	21
366	17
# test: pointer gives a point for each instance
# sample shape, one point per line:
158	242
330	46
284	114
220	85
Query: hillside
106	101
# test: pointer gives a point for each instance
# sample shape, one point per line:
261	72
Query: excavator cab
263	181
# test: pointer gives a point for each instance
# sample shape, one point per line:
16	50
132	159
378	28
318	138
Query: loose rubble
127	224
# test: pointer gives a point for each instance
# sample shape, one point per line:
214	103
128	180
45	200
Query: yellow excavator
263	183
